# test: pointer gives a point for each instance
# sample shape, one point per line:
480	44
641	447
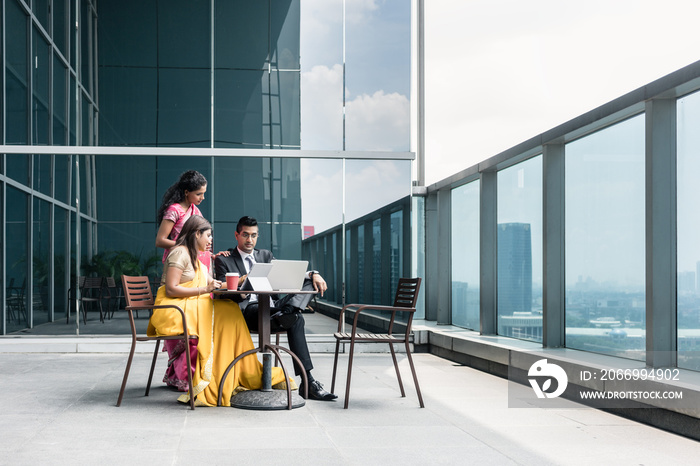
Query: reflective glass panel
322	71
520	250
17	82
17	252
377	261
373	184
605	251
688	220
40	96
41	262
377	84
60	125
397	245
41	11
42	173
465	255
61	234
361	276
59	25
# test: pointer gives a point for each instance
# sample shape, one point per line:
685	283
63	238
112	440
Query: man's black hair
246	221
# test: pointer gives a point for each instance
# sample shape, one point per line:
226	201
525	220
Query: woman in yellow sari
219	325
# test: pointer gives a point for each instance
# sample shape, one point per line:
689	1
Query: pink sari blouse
175	213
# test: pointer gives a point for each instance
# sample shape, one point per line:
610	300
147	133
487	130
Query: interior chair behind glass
138	295
404	303
91	295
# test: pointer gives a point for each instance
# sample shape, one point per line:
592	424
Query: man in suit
285	312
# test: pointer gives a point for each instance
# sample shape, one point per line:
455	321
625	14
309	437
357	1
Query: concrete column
444	250
554	296
660	156
488	253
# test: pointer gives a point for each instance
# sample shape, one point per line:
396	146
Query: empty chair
138	295
91	294
404	303
111	296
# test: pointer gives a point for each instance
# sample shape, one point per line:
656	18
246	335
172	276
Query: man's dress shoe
316	392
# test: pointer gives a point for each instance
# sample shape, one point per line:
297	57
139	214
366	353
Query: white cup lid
232	274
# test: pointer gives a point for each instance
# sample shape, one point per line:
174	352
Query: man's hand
221	253
319	283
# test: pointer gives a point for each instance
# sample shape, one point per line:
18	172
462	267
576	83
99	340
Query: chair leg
189	373
126	372
335	364
153	366
396	366
347	384
415	378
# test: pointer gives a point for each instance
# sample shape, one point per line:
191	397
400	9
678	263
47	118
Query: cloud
369	185
512	77
378	122
373	122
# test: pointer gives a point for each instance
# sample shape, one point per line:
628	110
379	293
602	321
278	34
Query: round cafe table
265	398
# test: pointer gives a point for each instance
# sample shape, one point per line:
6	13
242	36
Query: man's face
247	239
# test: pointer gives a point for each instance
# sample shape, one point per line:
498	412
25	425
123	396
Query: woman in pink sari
180	203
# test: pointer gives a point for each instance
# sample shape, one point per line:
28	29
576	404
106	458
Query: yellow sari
223	335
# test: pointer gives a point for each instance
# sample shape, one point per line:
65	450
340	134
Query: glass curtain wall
688	256
465	256
605	249
47	64
520	250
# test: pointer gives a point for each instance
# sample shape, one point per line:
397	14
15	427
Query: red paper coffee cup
232	281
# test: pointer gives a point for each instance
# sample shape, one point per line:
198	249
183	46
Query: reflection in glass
321	194
59	102
376	261
361	267
520	250
465	255
372	184
17	82
41	234
378	59
40	94
17	252
605	251
688	292
60	291
396	233
322	71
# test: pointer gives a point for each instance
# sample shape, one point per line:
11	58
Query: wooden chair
138	295
404	302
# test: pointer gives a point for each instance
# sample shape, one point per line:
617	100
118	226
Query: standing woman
179	203
221	331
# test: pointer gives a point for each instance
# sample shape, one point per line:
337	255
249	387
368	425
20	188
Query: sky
497	72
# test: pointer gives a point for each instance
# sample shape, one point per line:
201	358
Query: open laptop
284	276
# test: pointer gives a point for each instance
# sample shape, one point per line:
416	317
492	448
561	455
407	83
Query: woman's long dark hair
188	236
191	180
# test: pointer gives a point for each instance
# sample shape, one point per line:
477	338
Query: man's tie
249	263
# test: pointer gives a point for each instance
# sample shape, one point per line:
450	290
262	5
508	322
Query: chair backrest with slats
137	291
90	288
407	292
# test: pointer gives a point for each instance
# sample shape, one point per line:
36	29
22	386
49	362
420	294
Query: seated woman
219	325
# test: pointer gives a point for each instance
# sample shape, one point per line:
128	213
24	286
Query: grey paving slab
62	411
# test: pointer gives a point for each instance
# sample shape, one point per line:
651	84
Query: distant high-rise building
514	268
686	282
